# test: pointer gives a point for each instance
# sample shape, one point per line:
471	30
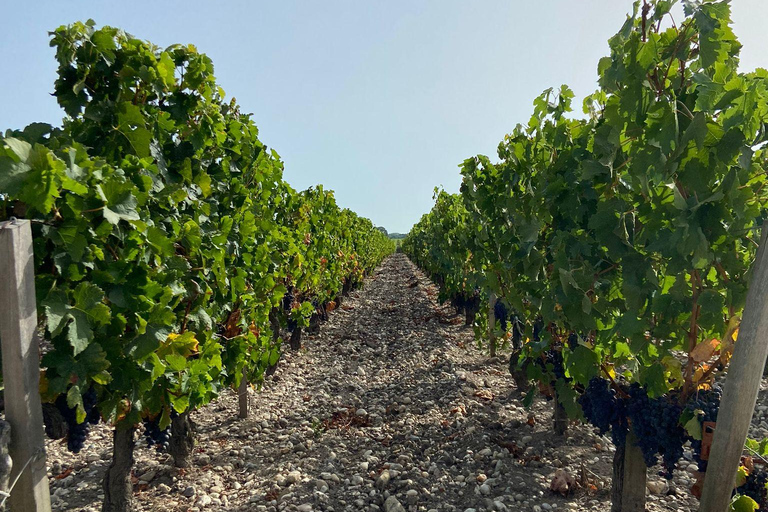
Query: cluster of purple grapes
573	340
603	409
157	437
551	361
656	423
554	358
503	316
287	301
708	402
287	304
500	313
472	303
755	488
76	432
320	310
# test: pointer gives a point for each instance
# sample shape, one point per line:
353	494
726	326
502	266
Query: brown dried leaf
485	394
704	350
729	340
698	486
460	409
63	474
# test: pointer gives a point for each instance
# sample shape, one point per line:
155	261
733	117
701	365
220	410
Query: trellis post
21	369
737	405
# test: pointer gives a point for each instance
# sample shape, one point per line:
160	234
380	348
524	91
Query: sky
379	101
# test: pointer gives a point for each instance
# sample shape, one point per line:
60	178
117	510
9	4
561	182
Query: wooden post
492	323
741	388
21	368
6	463
242	394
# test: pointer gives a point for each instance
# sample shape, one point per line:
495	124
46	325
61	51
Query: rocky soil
392	407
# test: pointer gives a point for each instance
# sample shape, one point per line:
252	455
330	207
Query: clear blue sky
377	100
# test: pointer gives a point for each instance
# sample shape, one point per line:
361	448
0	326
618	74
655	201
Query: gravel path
390	407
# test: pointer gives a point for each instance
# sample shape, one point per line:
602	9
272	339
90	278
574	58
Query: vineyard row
616	248
169	252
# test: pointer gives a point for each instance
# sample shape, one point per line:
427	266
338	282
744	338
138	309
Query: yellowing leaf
674	369
741	476
123	409
179	344
729	340
743	503
699	373
102	378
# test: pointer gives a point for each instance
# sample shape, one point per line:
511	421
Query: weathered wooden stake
741	388
21	368
6	464
492	323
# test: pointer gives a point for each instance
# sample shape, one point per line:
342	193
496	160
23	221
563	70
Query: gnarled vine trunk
471	313
559	417
118	489
629	477
182	440
492	324
471	306
274	322
519	375
296	339
617	480
314	322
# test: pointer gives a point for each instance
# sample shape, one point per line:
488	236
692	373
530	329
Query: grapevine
165	236
631	231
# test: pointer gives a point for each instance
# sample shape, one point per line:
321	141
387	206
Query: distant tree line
392	236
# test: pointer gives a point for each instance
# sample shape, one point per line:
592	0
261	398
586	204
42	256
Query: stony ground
392	407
